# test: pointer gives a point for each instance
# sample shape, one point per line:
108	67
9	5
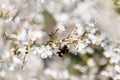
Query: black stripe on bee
63	51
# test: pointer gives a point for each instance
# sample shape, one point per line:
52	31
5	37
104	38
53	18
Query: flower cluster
55	39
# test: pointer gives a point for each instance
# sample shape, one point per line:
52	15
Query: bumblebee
63	51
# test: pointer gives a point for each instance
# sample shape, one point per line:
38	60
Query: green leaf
52	36
49	20
16	52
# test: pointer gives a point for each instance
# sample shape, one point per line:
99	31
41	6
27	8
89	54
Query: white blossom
5	54
94	39
17	60
79	29
43	51
61	27
33	35
91	63
2	73
76	24
117	68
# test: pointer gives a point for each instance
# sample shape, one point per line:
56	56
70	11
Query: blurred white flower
43	51
46	51
82	69
117	50
115	58
102	61
17	60
91	62
22	35
79	29
94	39
57	74
105	73
22	50
5	54
64	74
62	18
33	35
35	50
80	47
73	49
2	73
117	68
12	66
54	48
53	73
34	64
89	50
19	77
108	53
117	77
61	27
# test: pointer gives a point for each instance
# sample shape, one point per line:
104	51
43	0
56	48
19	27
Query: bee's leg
60	48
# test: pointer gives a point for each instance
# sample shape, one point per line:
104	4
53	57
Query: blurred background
19	16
